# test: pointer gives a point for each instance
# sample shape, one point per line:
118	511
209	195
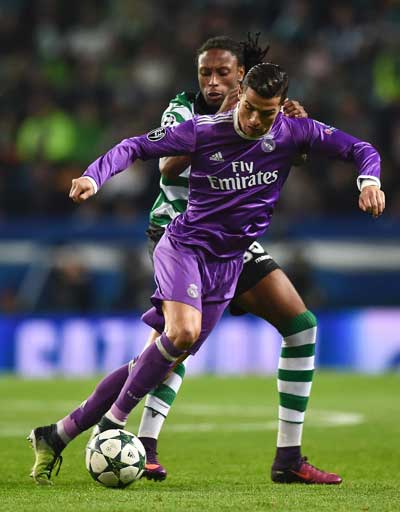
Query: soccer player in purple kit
262	289
231	201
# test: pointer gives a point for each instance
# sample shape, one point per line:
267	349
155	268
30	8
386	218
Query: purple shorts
194	277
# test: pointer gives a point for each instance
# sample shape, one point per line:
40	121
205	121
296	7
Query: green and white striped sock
158	403
295	374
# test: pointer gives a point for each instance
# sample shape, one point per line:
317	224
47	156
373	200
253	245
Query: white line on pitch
318	419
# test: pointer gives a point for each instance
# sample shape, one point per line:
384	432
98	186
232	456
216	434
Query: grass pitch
217	445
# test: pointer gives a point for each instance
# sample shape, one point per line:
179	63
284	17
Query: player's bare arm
172	166
372	200
81	189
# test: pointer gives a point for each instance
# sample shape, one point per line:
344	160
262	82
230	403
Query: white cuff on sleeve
366	181
92	181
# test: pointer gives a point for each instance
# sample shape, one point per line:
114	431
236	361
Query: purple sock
150	369
98	403
150	445
286	457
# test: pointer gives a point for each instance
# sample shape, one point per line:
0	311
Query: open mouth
214	95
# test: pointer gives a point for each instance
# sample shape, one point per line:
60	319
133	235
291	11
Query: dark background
77	77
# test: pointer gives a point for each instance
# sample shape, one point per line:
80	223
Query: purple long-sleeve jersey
235	181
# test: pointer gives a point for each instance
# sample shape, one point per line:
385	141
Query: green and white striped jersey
173	196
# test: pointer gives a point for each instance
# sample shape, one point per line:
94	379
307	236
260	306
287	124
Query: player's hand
230	100
81	189
372	200
293	108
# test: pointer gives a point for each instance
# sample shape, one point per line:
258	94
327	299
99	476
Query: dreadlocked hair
253	54
248	53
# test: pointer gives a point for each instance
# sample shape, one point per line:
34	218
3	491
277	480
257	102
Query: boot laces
54	465
304	460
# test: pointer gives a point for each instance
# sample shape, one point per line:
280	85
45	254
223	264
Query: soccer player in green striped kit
263	289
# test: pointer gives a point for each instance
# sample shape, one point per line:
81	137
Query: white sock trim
112	418
294	388
166	354
61	432
290	415
151	424
289	434
174	382
300	338
296	363
157	404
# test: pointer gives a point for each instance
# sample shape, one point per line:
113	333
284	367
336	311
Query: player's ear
240	73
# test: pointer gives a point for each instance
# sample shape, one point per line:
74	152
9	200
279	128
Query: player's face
218	73
257	114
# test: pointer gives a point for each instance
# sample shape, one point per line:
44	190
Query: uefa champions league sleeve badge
156	134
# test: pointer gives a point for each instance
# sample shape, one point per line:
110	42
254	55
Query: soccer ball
115	458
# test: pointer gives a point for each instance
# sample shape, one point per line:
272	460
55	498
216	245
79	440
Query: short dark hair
248	53
268	80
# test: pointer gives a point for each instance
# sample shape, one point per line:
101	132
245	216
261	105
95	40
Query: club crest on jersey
268	144
156	134
193	291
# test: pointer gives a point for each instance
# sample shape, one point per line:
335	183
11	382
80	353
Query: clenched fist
372	200
82	188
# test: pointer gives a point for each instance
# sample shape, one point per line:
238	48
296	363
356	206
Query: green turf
223	464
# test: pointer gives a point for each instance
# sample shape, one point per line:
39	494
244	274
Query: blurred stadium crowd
79	76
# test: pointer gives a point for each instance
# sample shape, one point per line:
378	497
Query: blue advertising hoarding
361	340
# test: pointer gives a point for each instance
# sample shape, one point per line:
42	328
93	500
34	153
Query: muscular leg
159	401
180	275
275	299
182	329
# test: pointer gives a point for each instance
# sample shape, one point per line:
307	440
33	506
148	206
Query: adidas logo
217	157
